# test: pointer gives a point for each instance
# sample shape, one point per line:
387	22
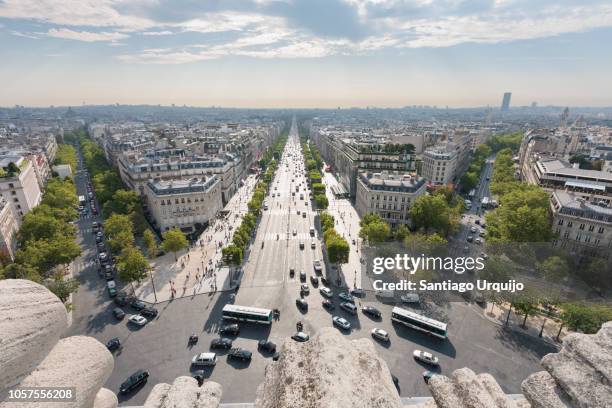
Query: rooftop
385	181
182	186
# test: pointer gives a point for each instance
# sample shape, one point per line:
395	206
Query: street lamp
153	284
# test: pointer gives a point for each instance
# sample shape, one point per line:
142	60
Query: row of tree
471	177
313	163
336	245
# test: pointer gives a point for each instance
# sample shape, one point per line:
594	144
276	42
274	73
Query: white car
204	359
380	334
138	320
410	298
473	230
294	232
341	322
327	292
425	357
304	288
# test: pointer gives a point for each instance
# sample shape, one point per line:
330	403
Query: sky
305	53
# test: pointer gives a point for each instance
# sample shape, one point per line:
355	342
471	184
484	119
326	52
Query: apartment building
19	185
8	230
388	194
440	164
581	227
186	204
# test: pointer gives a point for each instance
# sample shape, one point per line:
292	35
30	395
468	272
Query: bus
472	193
81	200
247	314
419	322
485	202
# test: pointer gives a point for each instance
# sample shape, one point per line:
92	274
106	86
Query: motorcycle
193	339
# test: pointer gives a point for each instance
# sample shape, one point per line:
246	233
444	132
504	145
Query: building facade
439	164
186	204
389	195
19	188
8	230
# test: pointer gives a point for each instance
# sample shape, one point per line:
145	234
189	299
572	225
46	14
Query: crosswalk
280	211
81	265
304	236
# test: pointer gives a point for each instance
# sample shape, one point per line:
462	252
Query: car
239	354
275	356
312	231
265	207
328	304
483	225
302	276
380	334
477	222
481	234
484	256
302	304
478	241
470	238
231	329
98	240
300	337
325	291
94	225
121	300
425	357
313	245
301	245
138	320
102	256
427	375
341	322
294	232
149	312
111	287
347	297
266	345
222	343
317	265
473	230
371	311
304	288
100	245
137	304
108	274
410	298
304	214
113	344
133	381
298	212
324	281
358	292
204	359
314	280
291	272
349	307
118	313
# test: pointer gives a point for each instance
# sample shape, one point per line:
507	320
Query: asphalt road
161	346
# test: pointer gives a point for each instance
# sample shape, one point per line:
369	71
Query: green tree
66	154
61	287
318	188
150	243
174	241
431	212
311	165
117	224
526	304
132	265
369	219
44	254
232	255
554	269
375	232
21	271
337	247
327	221
401	232
120	241
469	181
584	317
321	201
122	202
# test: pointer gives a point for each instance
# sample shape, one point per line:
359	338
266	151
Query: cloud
23	34
301	28
86	36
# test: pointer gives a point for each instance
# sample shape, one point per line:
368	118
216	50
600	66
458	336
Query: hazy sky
305	53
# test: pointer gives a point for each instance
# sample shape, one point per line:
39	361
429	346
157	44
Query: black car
231	329
135	380
314	280
240	354
301	304
358	292
113	344
266	345
328	304
302	276
149	312
118	312
138	304
109	275
371	311
121	300
324	281
221	343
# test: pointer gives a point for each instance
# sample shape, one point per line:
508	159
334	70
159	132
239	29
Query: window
11	185
600	230
13	192
569	224
581	226
591	228
16	200
560	222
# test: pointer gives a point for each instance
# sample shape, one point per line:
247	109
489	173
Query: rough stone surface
105	398
581	373
184	393
80	362
329	371
32	320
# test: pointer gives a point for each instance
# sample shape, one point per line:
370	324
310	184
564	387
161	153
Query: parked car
231	329
302	304
221	343
121	300
380	334
324	281
239	354
137	304
341	322
314	280
301	245
266	345
111	287
113	344
300	337
328	304
118	313
371	311
349	307
410	298
138	320
425	357
470	238
149	312
325	291
135	380
358	292
318	265
204	359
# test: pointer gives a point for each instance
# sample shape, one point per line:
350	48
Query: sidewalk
347	225
497	314
199	269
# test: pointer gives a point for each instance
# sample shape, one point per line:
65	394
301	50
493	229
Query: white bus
419	322
247	314
81	200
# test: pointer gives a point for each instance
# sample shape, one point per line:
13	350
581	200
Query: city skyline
305	54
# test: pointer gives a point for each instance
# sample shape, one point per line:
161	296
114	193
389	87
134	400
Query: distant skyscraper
506	102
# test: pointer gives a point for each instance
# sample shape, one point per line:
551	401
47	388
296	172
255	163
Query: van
349	307
312	231
204	359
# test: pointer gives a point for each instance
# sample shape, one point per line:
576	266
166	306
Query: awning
590	186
